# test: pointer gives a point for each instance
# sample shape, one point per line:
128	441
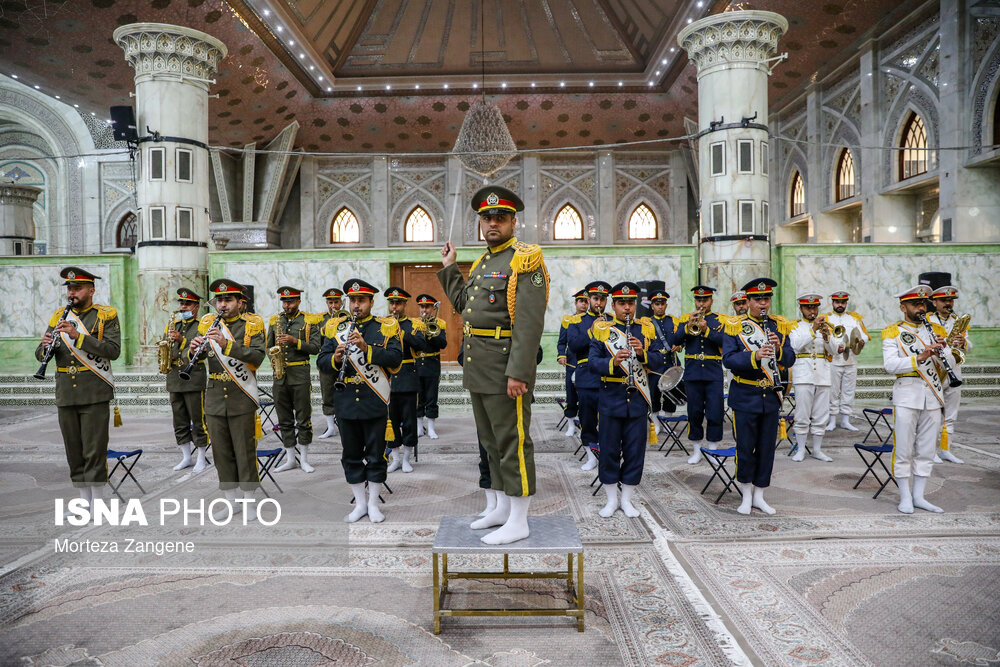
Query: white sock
374	513
591	460
491	502
747	490
817	441
331	427
360	503
758	501
251	508
611	490
185	456
202	460
431	433
919	486
303	451
395	460
289	462
231	498
628	490
800	442
905	496
497	517
407	453
695	455
516	526
420	426
948	456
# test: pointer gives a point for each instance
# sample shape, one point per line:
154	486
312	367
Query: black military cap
184	294
703	290
333	293
426	300
286	293
659	295
625	290
394	293
358	287
582	294
494	199
77	276
598	288
225	287
760	287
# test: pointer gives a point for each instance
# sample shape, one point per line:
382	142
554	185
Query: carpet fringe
723	637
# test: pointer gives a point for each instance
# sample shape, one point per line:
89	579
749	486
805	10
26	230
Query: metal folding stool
270	457
121	459
876	417
876	451
564	419
266	410
672	431
717	459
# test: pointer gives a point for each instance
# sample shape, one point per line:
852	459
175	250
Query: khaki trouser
235	451
292	403
188	408
504	428
85	438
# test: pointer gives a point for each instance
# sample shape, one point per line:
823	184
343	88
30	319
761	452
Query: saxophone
956	338
164	345
277	353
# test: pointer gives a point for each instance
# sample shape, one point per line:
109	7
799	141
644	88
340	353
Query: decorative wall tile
20	317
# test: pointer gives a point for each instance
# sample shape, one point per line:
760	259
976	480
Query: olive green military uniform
83	398
292	400
187	397
326	380
229	412
503	310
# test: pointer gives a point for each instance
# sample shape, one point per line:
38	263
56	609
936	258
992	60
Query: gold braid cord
600	331
890	331
104	313
526	258
254	326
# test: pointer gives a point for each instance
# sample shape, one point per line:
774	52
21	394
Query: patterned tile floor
688	583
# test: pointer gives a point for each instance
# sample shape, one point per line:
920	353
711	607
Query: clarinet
51	349
631	387
952	378
772	362
339	384
185	373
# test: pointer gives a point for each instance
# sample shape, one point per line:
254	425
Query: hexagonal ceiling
398	75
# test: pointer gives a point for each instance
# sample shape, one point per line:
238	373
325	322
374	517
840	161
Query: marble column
173	70
17	222
731	52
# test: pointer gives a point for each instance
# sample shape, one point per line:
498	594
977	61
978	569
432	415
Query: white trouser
843	380
812	409
952	399
914	441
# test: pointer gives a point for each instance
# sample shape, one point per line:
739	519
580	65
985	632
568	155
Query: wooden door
422	279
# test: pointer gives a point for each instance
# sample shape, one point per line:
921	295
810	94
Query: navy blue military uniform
665	329
563	351
624	415
361	413
429	365
703	373
756	405
406	383
588	384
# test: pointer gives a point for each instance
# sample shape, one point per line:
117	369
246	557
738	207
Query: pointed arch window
798	199
127	232
913	158
642	223
418	228
568	225
846	187
345	227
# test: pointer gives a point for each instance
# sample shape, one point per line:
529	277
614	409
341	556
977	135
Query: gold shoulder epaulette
527	257
890	331
567	320
106	312
732	325
54	320
575	319
684	318
856	316
648	330
418	324
390	326
330	328
442	324
254	325
313	318
273	320
600	330
205	322
783	325
939	330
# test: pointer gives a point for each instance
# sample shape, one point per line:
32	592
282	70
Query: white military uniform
952	395
917	398
844	374
811	374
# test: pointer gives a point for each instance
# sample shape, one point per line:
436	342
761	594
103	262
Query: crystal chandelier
484	144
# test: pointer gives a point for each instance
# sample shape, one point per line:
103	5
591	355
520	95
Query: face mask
186	315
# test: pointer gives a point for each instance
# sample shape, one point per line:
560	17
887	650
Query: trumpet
430	321
51	349
277	353
163	346
696	323
837	331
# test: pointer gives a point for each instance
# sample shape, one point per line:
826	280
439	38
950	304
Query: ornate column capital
19	195
159	48
742	36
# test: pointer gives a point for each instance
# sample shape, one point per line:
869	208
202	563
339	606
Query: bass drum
671	385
